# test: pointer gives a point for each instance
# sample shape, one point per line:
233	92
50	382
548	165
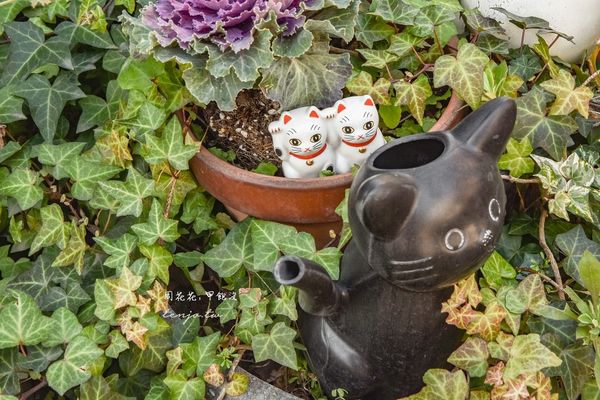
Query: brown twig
34	389
544	277
591	78
549	255
171	194
519	180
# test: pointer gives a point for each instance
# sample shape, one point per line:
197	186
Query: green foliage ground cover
97	202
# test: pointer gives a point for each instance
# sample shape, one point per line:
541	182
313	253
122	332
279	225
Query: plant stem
519	180
591	78
338	50
554	41
34	389
549	255
544	277
235	364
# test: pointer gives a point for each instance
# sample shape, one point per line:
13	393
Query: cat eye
295	142
347	129
454	240
315	138
494	210
368	125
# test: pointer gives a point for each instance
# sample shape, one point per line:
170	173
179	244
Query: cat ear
489	127
313	112
368	101
340	106
286	118
385	202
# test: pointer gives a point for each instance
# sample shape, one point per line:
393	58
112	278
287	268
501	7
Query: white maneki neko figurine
309	140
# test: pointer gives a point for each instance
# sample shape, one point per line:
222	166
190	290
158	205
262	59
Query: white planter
577	18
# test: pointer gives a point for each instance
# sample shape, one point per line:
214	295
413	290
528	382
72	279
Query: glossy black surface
425	211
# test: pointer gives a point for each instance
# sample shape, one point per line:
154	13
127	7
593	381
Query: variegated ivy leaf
414	95
156	227
57	155
463	73
66	328
568	98
130	193
528	355
442	384
73	370
74	250
497	271
516	159
530	295
552	133
377	58
526	65
245	63
170	147
472	356
487	324
29	50
497	82
334	21
265	238
53	230
23	185
23	322
362	84
372	28
285	303
82	34
9	375
404	43
278	345
574	244
238	385
577	364
317	77
124	287
47	100
200	354
160	259
430	18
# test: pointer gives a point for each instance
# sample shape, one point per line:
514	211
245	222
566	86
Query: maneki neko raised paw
300	140
426	211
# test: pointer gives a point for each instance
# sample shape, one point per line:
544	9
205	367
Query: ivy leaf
472	356
94	112
201	353
575	370
431	17
66	328
317	77
73	370
245	63
487	324
74	250
526	65
47	101
377	58
23	185
335	21
82	34
57	155
552	133
568	98
404	43
105	301
516	159
130	193
497	271
140	75
414	95
362	84
278	346
371	28
183	388
528	355
265	237
118	250
87	175
124	287
29	50
238	385
236	250
24	323
398	12
118	344
53	229
9	377
9	11
149	118
301	244
11	108
157	227
170	147
160	259
443	384
574	244
329	259
463	73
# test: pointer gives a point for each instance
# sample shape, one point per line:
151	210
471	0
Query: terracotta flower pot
307	204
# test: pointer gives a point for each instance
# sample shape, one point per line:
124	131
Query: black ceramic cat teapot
425	211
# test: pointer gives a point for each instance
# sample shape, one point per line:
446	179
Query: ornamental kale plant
223	47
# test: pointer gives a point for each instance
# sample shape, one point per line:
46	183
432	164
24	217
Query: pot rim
451	115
